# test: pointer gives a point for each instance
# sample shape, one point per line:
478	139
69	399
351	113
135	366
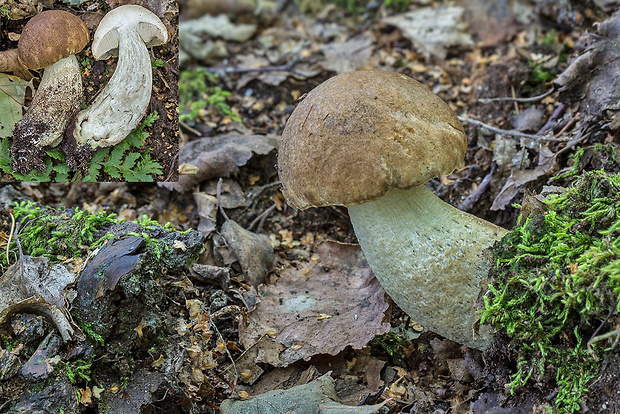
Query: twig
280	68
568	125
190	129
171	169
598	329
253	194
514	99
509	132
218	197
232	361
471	199
607	335
260	219
555	115
8	243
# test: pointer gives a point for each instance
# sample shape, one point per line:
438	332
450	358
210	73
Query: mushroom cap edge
105	40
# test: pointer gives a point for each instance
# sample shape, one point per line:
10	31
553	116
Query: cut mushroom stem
126	31
121	105
431	258
58	97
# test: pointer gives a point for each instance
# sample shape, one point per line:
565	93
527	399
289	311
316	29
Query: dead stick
514	99
218	193
280	68
509	132
568	125
555	115
471	199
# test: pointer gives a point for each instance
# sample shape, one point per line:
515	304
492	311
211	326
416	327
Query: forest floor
267	305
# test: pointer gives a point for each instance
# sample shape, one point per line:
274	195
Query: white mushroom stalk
58	97
121	105
431	258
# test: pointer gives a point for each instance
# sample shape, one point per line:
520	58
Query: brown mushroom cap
359	134
50	36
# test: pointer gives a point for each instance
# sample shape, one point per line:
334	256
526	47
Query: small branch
555	115
608	335
520	100
219	202
260	219
171	169
280	68
471	199
8	242
190	129
568	125
509	132
594	336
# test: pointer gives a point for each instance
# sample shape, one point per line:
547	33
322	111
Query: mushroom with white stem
49	40
126	32
369	140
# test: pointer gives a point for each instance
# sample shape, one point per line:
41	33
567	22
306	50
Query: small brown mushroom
369	140
49	40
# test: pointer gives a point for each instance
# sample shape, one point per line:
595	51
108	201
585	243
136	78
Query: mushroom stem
122	103
58	97
431	258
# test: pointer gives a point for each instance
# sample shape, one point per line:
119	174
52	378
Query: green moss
389	343
4	11
89	329
198	91
558	281
601	151
76	371
50	233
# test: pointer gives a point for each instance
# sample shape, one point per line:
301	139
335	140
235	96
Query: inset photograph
89	91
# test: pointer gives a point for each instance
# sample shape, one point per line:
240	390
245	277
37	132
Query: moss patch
59	234
557	291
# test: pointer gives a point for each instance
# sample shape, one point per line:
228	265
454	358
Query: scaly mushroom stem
58	97
122	103
431	258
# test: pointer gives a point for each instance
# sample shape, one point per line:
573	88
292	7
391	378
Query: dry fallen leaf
318	396
12	94
219	156
433	30
349	55
592	78
32	285
340	284
253	251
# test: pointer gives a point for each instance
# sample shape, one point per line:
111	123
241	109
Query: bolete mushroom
49	40
369	140
126	32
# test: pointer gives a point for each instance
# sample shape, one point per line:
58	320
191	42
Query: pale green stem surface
431	258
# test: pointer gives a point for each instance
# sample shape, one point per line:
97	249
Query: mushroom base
431	258
24	154
78	156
